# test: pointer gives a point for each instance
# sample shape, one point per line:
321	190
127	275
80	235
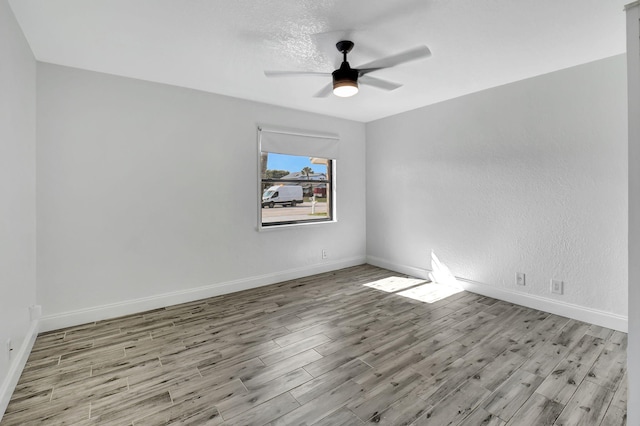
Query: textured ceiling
224	46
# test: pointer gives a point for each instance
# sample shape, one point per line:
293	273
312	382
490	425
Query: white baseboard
580	313
16	367
127	307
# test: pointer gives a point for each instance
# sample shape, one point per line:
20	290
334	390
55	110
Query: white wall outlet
557	287
520	278
324	254
8	348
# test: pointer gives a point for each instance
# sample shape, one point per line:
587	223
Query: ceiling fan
346	79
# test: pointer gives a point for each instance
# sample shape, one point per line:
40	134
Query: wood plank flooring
331	349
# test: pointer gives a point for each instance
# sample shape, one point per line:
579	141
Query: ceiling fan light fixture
345	88
345	81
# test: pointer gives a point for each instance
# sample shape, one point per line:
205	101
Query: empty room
320	212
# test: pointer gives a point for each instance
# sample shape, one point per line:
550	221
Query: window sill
261	228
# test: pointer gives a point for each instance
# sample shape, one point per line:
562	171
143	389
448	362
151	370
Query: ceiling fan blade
325	91
295	73
416	53
378	82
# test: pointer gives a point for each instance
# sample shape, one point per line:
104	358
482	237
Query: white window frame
304	143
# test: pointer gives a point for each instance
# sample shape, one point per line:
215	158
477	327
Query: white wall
528	177
147	195
633	87
17	195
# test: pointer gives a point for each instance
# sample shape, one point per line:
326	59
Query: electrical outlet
324	254
557	287
520	278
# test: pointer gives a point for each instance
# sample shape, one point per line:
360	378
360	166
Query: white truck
283	195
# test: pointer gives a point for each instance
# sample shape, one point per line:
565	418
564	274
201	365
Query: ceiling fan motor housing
345	76
345	73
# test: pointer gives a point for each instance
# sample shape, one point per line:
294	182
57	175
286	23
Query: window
296	178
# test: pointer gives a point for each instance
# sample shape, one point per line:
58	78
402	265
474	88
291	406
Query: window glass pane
295	189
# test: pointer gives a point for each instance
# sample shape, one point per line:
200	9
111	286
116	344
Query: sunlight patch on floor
441	284
430	292
393	284
415	288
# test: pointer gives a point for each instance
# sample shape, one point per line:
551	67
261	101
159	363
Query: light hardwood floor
328	350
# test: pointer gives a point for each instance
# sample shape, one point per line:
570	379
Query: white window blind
298	143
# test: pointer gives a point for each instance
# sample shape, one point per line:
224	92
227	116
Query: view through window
295	189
